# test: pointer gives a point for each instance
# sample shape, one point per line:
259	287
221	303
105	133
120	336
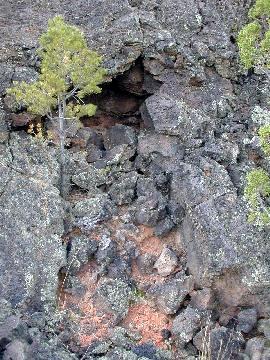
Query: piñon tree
69	71
254	48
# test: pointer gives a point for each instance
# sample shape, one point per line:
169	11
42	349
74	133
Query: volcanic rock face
155	220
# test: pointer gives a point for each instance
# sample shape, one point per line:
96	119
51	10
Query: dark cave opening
118	103
120	100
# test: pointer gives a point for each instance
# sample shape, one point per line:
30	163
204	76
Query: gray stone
195	183
81	251
119	135
23	73
169	296
89	212
3	126
176	212
254	348
171	117
146	263
151	142
219	340
113	296
17	350
107	250
186	324
31	219
90	178
167	262
264	327
222	151
203	299
164	226
247	320
6	73
122	190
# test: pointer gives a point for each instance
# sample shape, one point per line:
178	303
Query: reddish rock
18	120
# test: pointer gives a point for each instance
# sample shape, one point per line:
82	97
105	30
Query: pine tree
69	71
254	46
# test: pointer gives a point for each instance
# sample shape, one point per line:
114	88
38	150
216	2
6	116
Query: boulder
31	220
168	116
247	320
167	262
170	295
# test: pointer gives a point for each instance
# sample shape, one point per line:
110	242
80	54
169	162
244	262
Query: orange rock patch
148	322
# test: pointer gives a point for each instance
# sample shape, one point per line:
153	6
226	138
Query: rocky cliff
149	253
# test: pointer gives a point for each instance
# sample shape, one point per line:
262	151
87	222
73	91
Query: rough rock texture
31	219
155	219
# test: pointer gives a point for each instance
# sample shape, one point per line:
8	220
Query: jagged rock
24	73
150	142
93	153
123	188
6	74
255	347
146	263
113	296
222	151
164	226
167	262
90	211
149	211
106	251
247	320
119	155
219	340
193	184
176	212
3	126
17	350
171	117
202	299
169	296
122	337
81	250
119	135
90	178
31	219
186	324
217	237
264	327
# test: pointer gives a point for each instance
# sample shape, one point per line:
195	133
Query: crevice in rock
120	100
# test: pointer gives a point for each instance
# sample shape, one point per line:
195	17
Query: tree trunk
61	117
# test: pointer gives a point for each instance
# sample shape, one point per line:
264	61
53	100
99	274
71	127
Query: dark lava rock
167	262
247	320
31	219
119	135
164	226
123	188
113	297
168	116
147	350
81	251
169	296
176	212
186	324
221	340
145	263
107	251
203	299
89	212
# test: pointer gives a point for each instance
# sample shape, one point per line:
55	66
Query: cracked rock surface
149	252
